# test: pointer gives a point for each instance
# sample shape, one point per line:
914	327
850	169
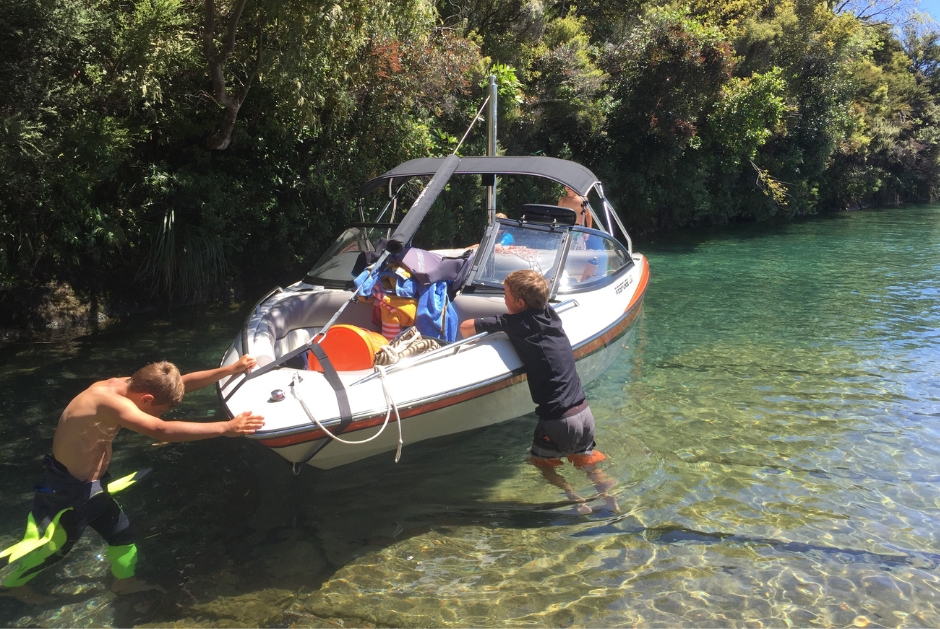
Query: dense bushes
692	115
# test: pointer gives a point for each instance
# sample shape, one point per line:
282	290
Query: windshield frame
361	232
475	283
608	277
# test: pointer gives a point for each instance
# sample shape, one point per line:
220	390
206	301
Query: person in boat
574	201
75	490
506	240
565	426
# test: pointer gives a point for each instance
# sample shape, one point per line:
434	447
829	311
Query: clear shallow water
774	432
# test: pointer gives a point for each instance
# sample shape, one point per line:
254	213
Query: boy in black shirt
566	425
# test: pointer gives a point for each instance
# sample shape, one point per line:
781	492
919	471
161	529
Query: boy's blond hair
529	286
162	380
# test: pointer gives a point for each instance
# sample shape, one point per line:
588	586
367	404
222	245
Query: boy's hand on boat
245	363
244	424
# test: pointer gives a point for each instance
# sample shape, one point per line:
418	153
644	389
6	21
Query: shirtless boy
74	491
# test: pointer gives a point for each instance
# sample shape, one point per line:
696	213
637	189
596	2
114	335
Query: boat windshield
334	268
592	256
519	246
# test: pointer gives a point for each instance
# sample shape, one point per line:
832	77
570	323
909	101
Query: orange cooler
349	348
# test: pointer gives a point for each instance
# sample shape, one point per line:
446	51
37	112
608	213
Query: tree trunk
220	140
216	59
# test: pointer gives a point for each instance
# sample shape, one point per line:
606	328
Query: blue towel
364	282
436	317
403	287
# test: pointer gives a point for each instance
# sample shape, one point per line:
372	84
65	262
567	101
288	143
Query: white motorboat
327	416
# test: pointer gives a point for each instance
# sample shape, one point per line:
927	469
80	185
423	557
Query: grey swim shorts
555	438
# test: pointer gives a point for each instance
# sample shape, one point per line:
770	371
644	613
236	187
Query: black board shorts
89	504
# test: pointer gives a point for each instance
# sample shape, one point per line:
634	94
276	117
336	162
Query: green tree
504	28
665	78
890	151
81	89
814	47
564	104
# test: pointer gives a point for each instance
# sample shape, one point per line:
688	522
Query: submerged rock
291	558
255	609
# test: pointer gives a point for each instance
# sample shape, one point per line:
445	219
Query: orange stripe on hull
633	311
376	420
641	287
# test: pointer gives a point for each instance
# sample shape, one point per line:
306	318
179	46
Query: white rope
391	405
389	400
475	118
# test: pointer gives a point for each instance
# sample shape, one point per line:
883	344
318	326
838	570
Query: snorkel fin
124	482
32	540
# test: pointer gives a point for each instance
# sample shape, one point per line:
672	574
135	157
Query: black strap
298	465
345	412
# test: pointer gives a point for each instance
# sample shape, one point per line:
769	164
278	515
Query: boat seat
293	321
474	306
292	340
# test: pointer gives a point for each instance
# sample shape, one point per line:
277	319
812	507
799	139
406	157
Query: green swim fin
32	539
120	484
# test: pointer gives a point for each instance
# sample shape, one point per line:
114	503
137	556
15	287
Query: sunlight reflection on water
773	429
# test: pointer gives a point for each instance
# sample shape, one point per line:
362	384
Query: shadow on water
227	517
688	240
680	536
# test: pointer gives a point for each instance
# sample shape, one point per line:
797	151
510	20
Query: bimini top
571	174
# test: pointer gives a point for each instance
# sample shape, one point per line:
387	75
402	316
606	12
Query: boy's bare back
88	425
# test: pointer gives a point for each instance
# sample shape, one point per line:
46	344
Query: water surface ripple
773	427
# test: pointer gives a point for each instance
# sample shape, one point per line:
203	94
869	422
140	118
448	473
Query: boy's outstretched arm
132	418
467	328
200	379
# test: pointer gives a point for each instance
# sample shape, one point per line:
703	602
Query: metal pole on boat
491	149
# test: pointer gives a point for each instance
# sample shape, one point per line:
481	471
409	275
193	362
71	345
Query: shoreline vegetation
155	153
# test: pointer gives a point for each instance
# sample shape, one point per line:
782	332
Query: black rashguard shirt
546	353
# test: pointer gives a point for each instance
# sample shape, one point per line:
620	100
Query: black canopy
409	225
573	175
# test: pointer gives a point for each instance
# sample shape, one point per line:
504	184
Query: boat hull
472	389
489	406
